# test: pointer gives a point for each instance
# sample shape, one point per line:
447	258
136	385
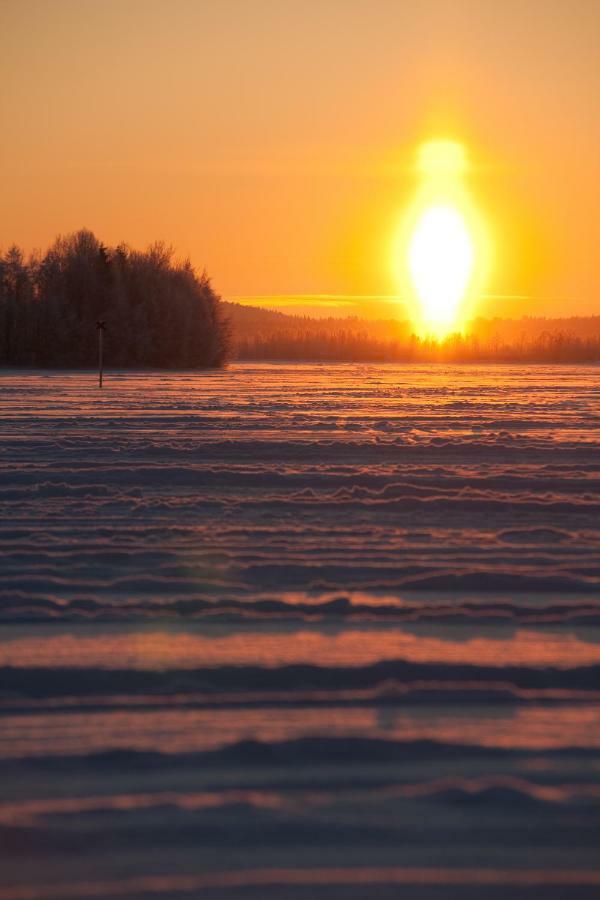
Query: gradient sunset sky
273	141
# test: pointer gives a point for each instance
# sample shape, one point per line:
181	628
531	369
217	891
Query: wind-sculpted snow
288	631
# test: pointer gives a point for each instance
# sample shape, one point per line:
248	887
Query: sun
440	257
441	249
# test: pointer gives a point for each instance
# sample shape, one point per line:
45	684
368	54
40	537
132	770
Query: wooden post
100	326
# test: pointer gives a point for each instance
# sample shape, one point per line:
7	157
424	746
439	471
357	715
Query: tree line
360	346
158	312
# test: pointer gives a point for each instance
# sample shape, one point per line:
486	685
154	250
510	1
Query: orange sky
273	140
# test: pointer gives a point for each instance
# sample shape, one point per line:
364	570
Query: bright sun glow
440	252
441	264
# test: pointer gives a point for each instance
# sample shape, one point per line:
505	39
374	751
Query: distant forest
264	334
158	312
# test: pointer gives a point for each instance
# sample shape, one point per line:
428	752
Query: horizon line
382	297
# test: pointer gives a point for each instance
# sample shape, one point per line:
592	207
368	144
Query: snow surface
293	631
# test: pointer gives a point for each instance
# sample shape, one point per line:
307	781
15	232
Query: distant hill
267	334
249	322
534	326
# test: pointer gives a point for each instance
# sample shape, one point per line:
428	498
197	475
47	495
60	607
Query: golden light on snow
441	251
